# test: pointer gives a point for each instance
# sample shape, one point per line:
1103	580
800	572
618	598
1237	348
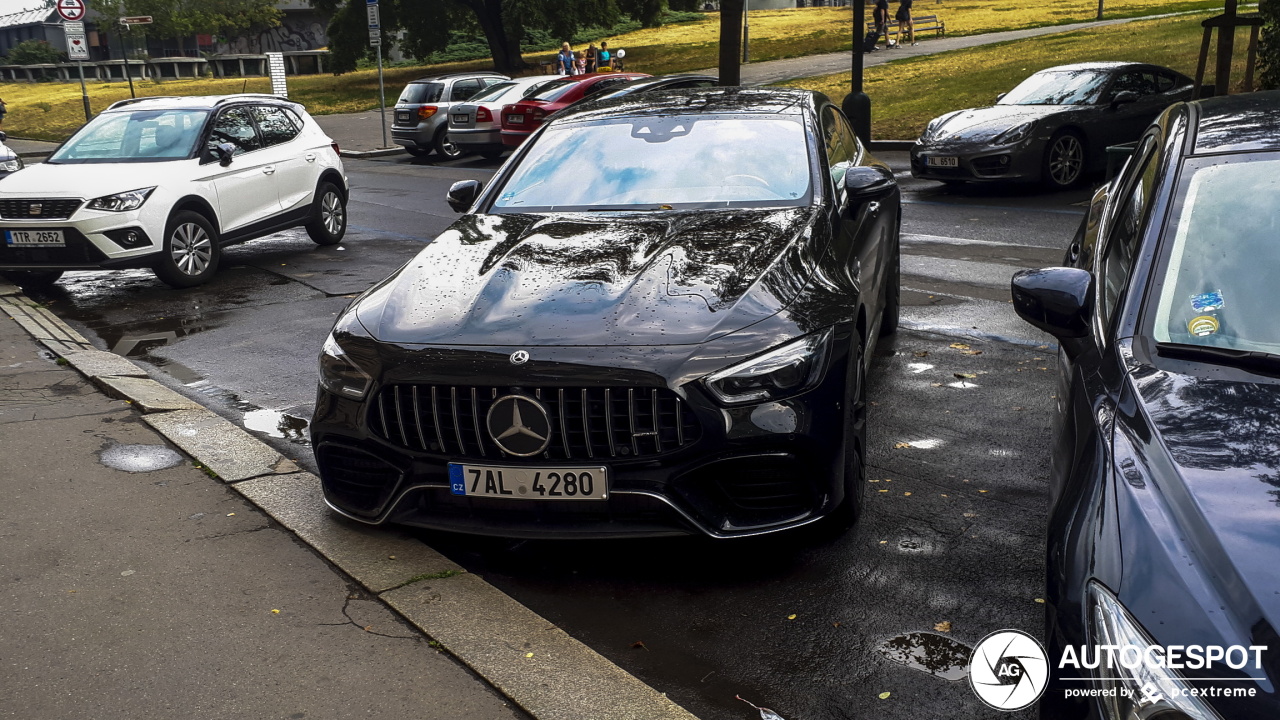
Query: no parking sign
71	10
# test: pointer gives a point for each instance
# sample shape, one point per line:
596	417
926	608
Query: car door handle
269	170
309	157
873	207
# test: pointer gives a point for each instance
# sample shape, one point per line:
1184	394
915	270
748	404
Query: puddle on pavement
277	424
935	654
139	458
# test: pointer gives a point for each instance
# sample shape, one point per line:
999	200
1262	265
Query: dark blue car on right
1163	588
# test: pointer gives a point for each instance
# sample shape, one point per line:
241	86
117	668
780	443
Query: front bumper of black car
1017	162
700	469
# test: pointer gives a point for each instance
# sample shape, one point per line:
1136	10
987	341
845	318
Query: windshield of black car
416	93
134	136
1058	87
554	90
1222	253
660	163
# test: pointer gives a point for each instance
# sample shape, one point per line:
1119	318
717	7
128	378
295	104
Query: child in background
580	64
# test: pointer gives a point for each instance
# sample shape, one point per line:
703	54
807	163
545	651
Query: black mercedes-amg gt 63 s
655	319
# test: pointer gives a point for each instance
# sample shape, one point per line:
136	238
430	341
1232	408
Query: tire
444	148
190	255
32	279
1064	160
328	216
854	468
417	151
892	293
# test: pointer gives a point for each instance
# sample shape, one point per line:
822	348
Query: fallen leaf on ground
965	376
884	696
1040	600
901	445
275	611
935	384
528	655
944	626
835	624
922	353
792	616
639	645
958	346
906	493
971	352
872	480
982	491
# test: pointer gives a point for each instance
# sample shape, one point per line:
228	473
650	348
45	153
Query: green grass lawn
51	111
906	94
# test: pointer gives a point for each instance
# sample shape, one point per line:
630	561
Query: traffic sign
72	10
77	47
136	20
374	21
73	28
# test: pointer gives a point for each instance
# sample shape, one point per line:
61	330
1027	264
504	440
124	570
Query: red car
522	118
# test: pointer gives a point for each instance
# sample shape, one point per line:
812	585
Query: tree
731	42
504	24
181	19
1269	44
33	52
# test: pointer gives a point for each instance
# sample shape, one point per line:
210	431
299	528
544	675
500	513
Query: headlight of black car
340	372
782	372
1110	624
1018	133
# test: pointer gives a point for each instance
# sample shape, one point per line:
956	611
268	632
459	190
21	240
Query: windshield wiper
1263	363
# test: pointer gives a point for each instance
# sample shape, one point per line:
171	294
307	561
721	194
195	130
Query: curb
527	658
382	152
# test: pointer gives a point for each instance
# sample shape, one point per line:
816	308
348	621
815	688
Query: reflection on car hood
983	124
1223	438
88	180
593	279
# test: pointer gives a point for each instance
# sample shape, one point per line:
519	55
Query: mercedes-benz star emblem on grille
35	209
519	425
519	357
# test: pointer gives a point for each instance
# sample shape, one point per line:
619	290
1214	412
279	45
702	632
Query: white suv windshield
653	163
1219	285
134	136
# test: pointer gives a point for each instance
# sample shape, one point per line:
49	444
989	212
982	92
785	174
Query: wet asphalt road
953	527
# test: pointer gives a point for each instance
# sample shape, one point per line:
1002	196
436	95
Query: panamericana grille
45	208
586	423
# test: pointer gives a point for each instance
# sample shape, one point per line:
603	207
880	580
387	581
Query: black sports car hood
984	124
593	279
1223	439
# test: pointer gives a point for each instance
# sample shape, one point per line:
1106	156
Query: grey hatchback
422	113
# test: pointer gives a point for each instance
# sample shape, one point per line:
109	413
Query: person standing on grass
905	25
604	59
580	63
564	60
3	109
881	17
591	58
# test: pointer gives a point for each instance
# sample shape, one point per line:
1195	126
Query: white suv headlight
1131	689
11	165
788	370
121	202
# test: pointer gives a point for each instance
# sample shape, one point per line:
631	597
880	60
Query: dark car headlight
339	373
784	371
1110	624
1018	133
121	202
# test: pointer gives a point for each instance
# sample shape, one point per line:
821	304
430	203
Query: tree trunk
731	42
503	38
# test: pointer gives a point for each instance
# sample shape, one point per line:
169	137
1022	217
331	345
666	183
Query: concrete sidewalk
139	587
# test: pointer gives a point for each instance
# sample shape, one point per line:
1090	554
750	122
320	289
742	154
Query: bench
924	23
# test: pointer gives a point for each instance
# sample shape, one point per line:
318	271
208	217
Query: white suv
165	183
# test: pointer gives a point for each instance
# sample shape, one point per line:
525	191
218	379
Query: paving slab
225	449
529	659
149	395
43	325
380	559
99	363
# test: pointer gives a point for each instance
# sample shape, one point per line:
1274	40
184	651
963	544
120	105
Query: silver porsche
1054	127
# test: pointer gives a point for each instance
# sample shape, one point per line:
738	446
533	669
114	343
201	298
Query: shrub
33	52
1269	45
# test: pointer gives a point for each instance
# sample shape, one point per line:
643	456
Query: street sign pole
126	25
84	93
375	39
127	47
72	13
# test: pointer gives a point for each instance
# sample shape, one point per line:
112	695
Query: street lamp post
856	105
746	31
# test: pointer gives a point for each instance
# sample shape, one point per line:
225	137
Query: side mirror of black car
1124	97
462	194
1058	300
864	183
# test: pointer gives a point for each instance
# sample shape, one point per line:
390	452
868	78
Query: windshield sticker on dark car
1203	325
1207	302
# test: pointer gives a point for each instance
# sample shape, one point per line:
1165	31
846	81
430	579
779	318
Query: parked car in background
1165	484
421	121
476	125
9	160
656	319
165	183
652	84
522	118
1054	127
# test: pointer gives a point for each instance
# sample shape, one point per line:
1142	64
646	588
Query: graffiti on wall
292	34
